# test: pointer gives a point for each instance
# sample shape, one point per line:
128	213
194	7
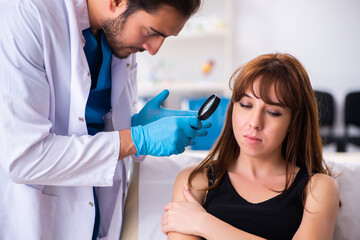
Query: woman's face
260	128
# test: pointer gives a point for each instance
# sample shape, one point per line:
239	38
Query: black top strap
211	175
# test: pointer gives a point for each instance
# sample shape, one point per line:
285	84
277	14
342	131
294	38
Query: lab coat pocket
31	213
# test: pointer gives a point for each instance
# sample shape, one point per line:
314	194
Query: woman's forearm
212	228
181	236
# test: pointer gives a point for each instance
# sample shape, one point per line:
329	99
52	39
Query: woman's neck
259	166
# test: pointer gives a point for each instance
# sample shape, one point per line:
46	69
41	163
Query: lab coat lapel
119	99
119	75
80	73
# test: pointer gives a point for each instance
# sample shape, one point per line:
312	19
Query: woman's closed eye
243	105
274	113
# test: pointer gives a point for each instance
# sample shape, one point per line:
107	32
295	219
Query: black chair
326	110
352	118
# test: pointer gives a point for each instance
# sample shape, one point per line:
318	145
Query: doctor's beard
113	30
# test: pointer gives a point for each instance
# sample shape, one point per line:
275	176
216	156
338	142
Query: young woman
265	178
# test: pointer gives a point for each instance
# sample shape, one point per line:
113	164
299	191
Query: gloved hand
166	136
153	111
202	132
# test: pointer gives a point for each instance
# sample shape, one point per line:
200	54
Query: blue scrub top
99	101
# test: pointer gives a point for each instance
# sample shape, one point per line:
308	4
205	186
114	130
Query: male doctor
67	102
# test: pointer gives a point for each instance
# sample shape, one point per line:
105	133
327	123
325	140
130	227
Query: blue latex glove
203	132
153	111
166	136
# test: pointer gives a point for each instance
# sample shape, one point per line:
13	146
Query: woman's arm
186	219
321	206
180	214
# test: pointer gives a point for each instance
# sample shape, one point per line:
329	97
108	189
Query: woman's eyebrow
278	104
247	95
271	103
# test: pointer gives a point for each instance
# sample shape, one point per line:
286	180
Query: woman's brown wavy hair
302	146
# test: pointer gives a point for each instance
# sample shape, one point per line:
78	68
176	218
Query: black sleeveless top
276	218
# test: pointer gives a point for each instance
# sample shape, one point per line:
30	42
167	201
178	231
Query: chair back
351	118
325	107
352	109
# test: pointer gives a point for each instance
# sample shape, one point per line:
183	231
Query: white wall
323	34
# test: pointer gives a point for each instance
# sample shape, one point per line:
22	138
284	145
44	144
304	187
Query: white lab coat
48	162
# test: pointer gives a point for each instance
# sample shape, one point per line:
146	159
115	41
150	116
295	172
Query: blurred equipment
207	67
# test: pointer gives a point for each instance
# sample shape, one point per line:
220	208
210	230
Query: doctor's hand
153	111
165	137
184	217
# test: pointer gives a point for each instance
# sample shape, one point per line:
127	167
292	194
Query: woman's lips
252	139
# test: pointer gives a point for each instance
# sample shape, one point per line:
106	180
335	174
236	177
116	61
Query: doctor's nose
152	45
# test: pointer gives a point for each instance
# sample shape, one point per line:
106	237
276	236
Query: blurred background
324	35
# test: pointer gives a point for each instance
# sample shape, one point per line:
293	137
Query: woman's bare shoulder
185	172
198	184
200	180
321	189
325	182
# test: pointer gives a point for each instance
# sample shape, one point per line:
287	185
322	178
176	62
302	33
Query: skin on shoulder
198	185
319	188
319	208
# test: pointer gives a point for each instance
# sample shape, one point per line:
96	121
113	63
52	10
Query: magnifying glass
208	107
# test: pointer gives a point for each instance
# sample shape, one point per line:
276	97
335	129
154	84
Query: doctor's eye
151	33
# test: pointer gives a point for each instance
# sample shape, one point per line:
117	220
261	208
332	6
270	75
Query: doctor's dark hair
185	7
302	146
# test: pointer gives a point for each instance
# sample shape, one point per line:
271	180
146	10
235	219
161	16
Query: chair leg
341	144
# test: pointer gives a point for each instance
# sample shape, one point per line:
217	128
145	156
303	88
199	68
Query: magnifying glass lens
209	107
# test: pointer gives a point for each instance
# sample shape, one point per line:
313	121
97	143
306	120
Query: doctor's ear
116	5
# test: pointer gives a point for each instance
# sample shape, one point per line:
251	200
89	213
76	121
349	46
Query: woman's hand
184	217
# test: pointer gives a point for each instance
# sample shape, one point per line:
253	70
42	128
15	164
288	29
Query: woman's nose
256	121
153	44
